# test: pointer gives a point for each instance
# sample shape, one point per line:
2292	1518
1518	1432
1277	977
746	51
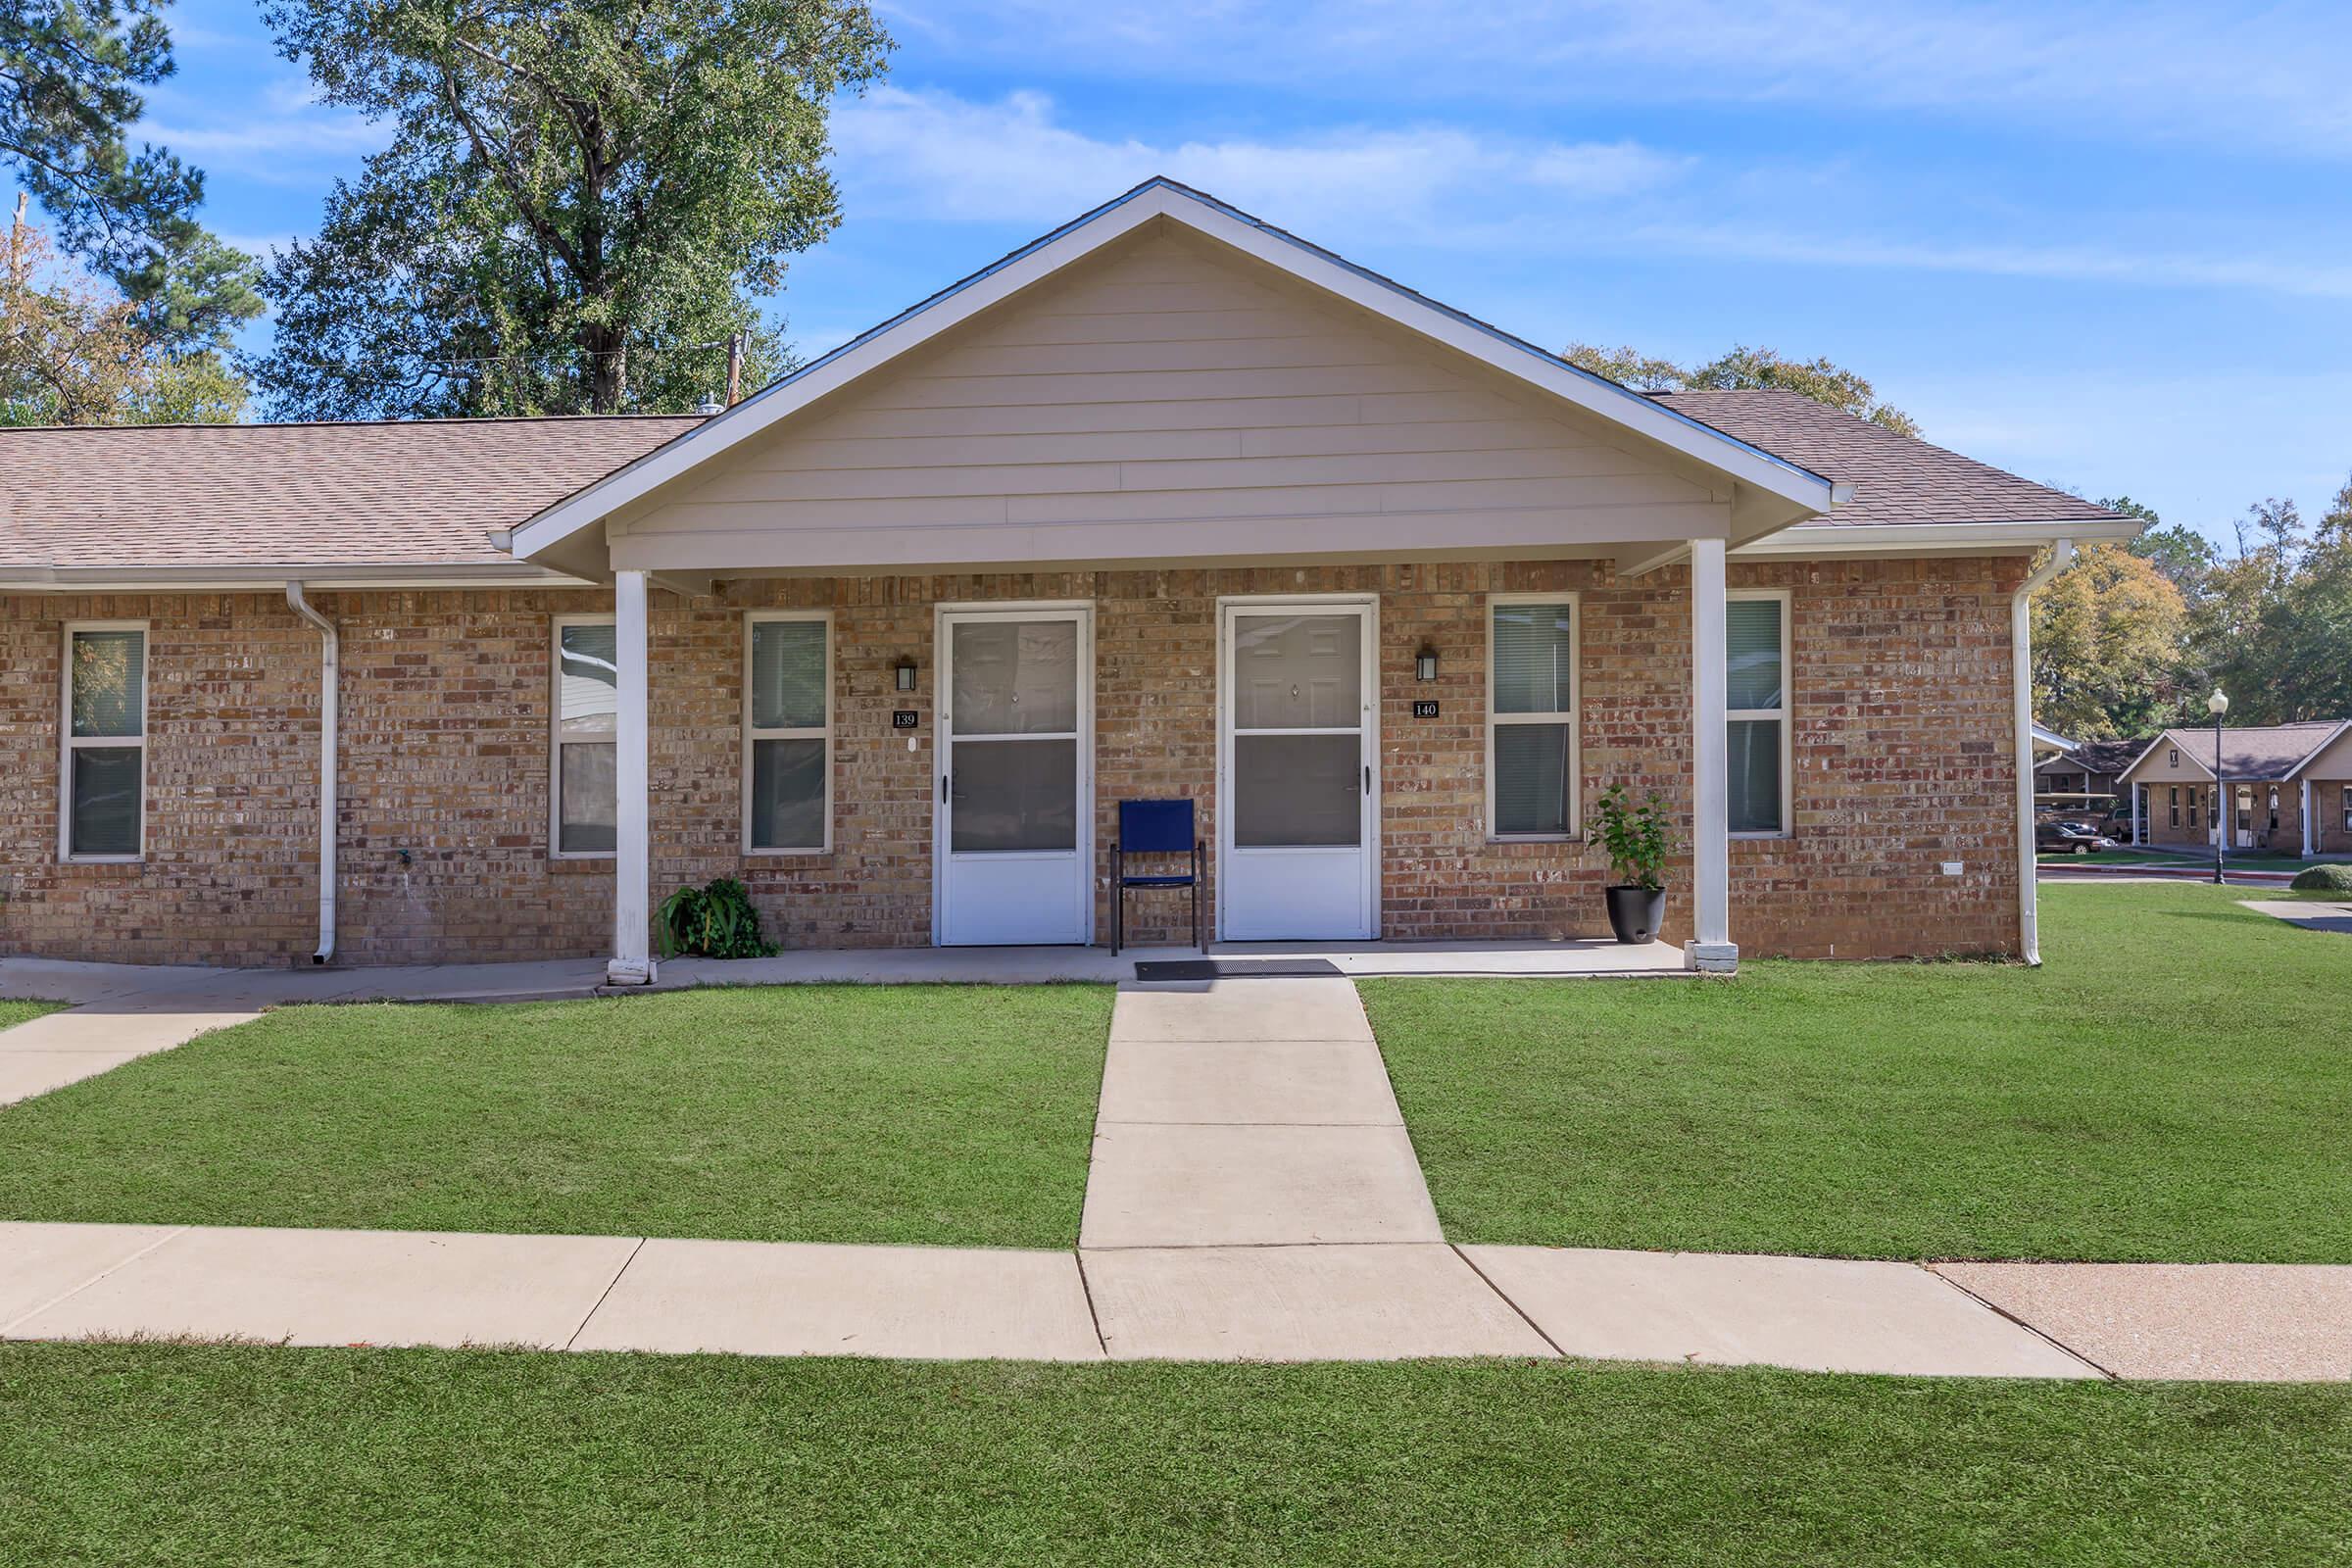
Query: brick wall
1901	744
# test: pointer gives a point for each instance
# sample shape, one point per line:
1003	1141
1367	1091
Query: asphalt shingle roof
1897	478
425	492
2259	752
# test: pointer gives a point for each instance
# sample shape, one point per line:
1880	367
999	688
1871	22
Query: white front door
1013	840
1297	776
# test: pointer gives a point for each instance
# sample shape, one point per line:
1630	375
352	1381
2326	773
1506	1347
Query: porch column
632	871
2311	837
1711	946
2139	807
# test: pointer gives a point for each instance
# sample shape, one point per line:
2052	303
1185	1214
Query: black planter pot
1637	912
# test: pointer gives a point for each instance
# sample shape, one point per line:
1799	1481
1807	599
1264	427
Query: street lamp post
2217	705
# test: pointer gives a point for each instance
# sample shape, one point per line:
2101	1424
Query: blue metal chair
1156	828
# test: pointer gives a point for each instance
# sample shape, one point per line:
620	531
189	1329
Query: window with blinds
787	732
1756	712
586	744
1532	746
103	815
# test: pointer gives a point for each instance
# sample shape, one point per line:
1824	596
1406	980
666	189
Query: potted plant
1635	835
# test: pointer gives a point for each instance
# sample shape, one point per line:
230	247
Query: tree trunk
606	376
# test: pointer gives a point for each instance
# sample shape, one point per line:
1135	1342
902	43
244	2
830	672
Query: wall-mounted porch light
1425	664
906	674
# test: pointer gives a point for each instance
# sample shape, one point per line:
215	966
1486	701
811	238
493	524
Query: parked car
2060	836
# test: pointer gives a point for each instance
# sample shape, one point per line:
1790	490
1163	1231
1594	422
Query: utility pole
734	368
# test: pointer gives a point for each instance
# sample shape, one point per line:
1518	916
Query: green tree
74	351
2107	636
581	203
1744	367
70	75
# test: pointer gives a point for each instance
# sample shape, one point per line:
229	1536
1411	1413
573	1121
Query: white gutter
319	578
2021	687
330	682
1825	539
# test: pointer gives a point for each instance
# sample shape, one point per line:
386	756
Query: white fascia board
317	576
2052	738
1929	538
1090	232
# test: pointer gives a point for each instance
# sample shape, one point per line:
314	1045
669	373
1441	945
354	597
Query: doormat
1237	969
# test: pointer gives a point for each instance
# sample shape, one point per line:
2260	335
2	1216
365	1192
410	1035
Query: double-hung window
587	708
2194	795
787	732
103	809
1532	748
1756	711
2348	808
2172	794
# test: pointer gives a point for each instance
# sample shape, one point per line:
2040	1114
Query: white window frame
1573	717
823	732
1785	714
2347	805
557	741
68	743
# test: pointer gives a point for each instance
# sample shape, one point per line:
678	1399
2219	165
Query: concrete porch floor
88	984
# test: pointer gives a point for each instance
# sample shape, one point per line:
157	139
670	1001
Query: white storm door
1298	820
1014	824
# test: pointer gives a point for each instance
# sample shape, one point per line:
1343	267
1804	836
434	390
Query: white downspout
330	673
2021	687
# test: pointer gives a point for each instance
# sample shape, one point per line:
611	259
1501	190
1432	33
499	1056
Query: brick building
1168	503
2289	787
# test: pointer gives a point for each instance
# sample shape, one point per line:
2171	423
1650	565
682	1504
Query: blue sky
2105	246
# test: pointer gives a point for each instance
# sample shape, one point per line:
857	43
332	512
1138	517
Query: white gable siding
1168	400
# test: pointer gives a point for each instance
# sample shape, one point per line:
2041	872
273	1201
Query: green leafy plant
2330	878
1636	836
716	922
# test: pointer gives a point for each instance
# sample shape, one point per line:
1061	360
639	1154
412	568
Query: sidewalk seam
2030	1328
1457	1249
1086	1287
606	1294
112	1268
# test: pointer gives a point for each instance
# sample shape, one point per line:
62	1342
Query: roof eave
331	577
1824	540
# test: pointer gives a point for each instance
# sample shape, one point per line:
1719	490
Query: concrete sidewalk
1338	1302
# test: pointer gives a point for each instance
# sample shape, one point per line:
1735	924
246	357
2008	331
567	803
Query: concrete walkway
2311	914
1327	1301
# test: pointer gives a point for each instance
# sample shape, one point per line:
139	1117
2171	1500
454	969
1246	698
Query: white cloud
2179	70
283	135
932	155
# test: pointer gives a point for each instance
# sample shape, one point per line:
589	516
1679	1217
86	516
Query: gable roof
2259	753
1798	490
2096	756
1896	478
88	503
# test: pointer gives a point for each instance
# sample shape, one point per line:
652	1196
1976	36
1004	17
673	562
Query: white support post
2311	835
1711	948
2140	810
632	873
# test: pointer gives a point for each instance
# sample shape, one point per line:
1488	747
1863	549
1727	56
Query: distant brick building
1169	504
2289	787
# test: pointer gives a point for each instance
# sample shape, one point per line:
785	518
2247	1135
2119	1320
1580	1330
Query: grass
956	1116
14	1012
2174	1084
195	1456
2249	860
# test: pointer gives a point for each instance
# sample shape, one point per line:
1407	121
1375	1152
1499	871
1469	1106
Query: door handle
943	788
1367	778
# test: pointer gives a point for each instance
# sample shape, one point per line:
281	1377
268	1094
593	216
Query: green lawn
194	1457
957	1115
13	1014
2174	1084
2128	855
